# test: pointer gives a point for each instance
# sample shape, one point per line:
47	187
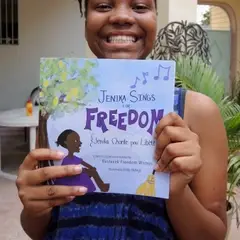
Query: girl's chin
119	51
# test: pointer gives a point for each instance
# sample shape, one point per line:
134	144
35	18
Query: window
8	22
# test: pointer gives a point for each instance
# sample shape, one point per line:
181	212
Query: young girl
70	140
191	145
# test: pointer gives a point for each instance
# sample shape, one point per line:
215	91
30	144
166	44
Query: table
18	118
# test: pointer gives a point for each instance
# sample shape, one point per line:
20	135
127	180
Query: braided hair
86	3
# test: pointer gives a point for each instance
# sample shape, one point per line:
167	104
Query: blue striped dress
98	216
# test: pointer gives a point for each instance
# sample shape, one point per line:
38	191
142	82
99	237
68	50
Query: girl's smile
127	42
121	39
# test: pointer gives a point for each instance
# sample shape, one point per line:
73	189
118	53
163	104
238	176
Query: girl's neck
70	154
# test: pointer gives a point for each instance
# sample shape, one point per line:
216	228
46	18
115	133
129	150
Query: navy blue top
97	216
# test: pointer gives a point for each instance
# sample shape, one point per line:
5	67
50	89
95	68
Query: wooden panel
5	131
12	143
219	18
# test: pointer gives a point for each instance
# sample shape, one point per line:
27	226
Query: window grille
9	22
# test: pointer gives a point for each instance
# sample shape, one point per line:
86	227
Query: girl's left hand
177	152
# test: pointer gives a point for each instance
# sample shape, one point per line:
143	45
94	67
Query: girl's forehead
72	135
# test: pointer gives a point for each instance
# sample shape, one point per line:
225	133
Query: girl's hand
38	199
177	152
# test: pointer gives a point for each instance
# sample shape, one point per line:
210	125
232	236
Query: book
102	113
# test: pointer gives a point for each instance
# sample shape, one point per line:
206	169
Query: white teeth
121	39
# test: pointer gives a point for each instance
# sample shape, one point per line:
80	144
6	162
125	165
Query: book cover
102	113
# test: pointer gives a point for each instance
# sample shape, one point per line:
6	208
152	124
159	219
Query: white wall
176	10
47	28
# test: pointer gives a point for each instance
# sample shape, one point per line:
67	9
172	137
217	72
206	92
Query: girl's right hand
39	199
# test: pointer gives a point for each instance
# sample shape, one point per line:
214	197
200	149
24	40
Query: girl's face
121	29
73	142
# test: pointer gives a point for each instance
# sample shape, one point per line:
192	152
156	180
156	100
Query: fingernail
80	189
166	170
60	154
159	166
78	168
156	167
70	198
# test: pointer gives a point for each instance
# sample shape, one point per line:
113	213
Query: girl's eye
103	7
140	8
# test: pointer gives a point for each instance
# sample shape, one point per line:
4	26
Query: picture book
102	113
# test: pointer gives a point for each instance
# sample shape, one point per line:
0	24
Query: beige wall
47	28
176	10
219	19
185	10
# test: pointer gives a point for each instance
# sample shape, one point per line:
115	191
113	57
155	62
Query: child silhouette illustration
70	140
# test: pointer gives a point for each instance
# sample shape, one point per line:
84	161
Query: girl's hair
86	3
63	136
81	7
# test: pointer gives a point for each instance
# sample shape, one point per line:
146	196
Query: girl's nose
122	16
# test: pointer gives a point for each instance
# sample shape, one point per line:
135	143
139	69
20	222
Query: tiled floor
10	206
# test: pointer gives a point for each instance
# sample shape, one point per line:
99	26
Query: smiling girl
191	145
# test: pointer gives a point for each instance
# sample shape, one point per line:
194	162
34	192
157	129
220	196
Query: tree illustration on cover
70	140
65	87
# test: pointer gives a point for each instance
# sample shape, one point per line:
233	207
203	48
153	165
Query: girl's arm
80	161
199	211
191	220
86	165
